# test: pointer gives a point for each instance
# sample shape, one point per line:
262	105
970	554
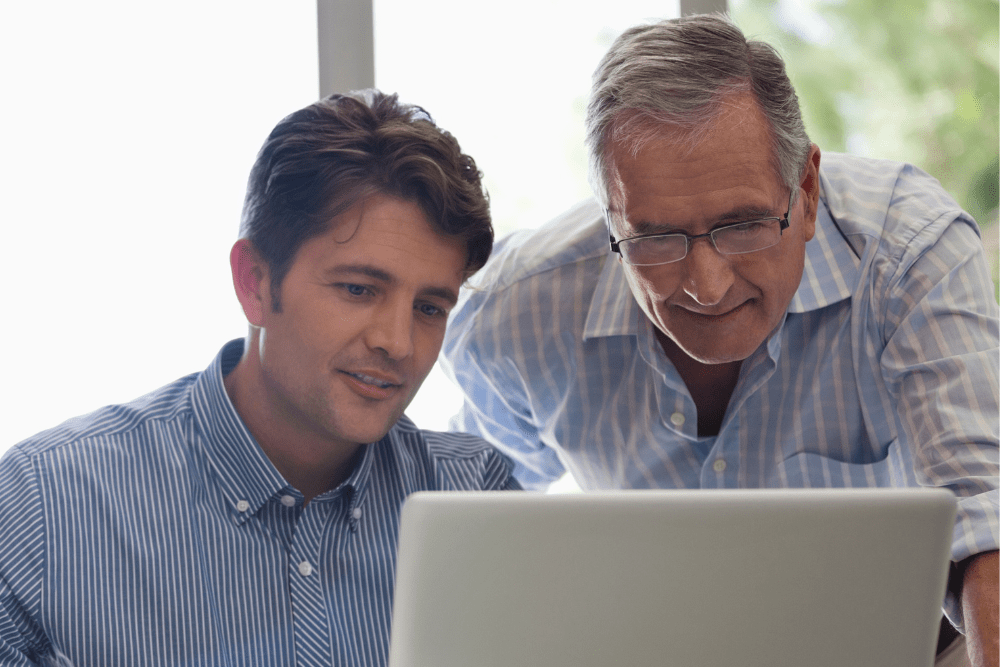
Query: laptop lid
690	578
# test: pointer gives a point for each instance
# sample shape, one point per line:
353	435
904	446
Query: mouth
372	380
710	317
369	385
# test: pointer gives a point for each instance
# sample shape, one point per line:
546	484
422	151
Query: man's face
716	308
364	308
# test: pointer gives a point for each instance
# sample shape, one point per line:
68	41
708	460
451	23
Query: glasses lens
748	236
653	250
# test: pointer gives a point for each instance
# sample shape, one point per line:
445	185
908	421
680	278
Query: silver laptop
690	578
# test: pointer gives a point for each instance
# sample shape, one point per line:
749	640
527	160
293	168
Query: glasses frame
689	238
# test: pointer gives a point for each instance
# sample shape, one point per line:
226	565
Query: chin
717	359
714	355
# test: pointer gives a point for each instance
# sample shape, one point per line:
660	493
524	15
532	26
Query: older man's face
716	308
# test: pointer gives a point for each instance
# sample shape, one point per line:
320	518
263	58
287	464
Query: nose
708	274
391	330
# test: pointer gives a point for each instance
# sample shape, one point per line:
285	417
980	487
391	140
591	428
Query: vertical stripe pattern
158	533
883	372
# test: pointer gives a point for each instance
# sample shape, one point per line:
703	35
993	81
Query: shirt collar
831	270
613	308
246	477
357	484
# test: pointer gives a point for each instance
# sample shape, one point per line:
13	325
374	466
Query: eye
746	228
430	310
354	290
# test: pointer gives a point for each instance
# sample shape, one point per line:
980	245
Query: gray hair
675	76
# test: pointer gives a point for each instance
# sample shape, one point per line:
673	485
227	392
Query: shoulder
114	425
894	203
439	445
578	234
538	281
456	460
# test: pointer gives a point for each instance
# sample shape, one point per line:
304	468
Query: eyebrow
739	213
382	276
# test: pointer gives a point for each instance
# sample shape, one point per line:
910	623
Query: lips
372	380
371	385
713	316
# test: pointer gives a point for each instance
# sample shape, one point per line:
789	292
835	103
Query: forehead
671	182
390	233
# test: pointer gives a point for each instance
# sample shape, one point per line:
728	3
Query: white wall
129	131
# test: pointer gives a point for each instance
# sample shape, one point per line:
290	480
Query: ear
810	190
250	278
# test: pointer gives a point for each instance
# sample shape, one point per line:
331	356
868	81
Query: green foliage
908	80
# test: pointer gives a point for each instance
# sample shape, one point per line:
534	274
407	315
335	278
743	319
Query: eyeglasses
733	239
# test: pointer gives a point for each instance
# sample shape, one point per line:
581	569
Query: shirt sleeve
940	364
22	558
496	405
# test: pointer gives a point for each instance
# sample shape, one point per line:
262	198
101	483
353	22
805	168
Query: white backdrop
130	131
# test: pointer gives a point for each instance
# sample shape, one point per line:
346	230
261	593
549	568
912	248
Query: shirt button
677	419
356	513
305	569
242	506
719	465
288	501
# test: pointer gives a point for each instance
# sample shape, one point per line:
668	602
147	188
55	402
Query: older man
766	315
248	514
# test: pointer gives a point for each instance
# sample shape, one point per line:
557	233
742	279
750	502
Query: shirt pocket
812	470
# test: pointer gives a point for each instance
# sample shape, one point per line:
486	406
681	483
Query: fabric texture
159	533
882	373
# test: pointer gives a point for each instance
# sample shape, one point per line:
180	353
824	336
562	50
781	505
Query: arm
940	365
14	649
979	607
22	641
478	356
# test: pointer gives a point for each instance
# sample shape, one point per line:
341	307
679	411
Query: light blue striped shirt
159	533
883	372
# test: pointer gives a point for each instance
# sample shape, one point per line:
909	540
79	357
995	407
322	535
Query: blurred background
130	129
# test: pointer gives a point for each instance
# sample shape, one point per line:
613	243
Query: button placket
310	608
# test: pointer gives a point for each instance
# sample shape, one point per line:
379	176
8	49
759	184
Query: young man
762	318
248	514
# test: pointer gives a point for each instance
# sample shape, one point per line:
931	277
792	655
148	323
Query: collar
831	269
356	486
613	309
246	477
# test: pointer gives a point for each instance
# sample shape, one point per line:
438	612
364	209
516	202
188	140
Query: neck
307	459
710	385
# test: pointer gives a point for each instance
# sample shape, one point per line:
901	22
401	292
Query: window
511	82
130	129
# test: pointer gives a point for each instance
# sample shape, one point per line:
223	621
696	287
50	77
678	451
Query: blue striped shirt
159	533
883	372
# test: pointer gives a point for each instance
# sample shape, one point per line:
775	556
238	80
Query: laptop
775	578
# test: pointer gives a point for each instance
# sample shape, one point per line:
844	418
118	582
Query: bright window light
511	82
130	129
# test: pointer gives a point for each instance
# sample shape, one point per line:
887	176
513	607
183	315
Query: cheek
651	284
426	346
777	276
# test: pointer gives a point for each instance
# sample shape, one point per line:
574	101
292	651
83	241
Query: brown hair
321	160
